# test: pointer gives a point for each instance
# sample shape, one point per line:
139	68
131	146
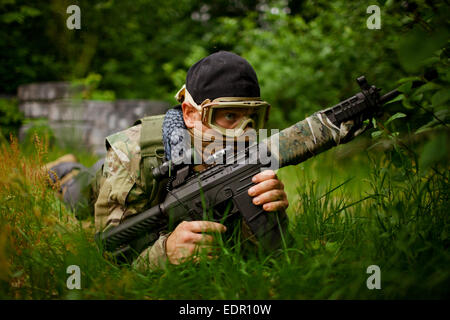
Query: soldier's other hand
268	191
189	238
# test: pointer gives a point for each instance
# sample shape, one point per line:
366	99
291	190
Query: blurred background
307	55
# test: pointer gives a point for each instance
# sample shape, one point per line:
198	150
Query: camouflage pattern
121	191
310	137
154	257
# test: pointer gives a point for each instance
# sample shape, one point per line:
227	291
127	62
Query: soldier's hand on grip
189	237
268	191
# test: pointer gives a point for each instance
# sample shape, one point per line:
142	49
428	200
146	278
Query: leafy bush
89	88
10	117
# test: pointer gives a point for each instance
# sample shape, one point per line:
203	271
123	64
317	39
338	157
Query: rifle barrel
389	96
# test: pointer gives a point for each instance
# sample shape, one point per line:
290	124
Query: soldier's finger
276	206
196	259
203	249
264	186
191	250
264	175
202	238
206	226
269	196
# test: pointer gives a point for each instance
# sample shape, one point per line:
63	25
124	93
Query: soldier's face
212	140
227	118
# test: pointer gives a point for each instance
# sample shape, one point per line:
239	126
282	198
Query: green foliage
40	132
37	128
306	54
424	105
10	117
88	88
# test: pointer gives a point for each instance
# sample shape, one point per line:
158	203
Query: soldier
126	188
221	98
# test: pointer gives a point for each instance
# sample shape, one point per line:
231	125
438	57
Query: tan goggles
230	116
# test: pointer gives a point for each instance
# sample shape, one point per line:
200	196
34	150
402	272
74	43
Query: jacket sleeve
154	257
119	198
110	205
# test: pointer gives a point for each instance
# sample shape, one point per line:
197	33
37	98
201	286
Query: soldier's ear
190	115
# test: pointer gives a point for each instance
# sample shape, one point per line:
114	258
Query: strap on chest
152	149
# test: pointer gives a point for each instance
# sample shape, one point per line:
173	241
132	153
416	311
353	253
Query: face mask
209	142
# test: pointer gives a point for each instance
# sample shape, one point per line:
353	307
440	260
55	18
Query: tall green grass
348	210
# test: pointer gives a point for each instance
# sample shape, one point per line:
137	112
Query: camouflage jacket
123	191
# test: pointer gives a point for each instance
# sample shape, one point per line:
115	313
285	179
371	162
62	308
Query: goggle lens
235	119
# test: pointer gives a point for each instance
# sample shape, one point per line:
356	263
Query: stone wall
81	122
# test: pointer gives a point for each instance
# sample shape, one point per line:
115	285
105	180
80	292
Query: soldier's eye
230	116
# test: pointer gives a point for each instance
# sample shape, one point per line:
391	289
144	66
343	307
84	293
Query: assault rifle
195	195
